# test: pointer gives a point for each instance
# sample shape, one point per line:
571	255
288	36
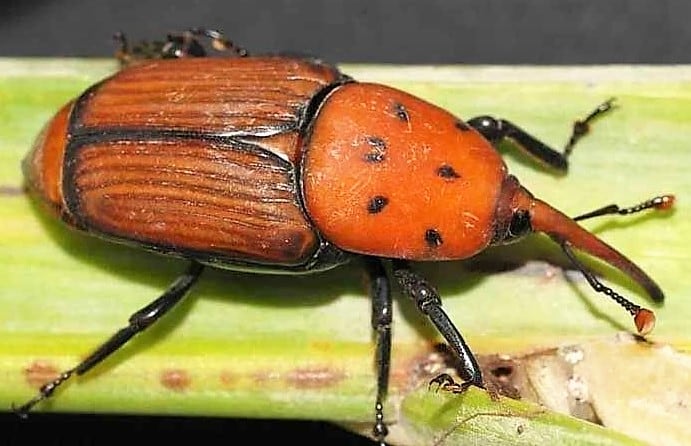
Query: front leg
428	302
496	130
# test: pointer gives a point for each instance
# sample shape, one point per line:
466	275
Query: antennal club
643	318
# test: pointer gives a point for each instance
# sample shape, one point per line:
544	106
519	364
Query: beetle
280	164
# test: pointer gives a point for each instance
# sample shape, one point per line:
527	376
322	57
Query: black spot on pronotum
433	238
376	204
376	142
377	154
462	126
401	112
447	172
374	157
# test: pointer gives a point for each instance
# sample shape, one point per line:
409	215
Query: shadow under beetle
277	164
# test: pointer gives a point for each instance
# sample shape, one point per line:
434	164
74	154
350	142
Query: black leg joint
429	303
492	129
422	292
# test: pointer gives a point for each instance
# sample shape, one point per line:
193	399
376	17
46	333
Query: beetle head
520	213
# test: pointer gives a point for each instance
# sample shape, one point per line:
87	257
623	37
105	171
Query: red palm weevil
277	164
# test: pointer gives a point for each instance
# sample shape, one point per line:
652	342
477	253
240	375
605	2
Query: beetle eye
519	226
514	229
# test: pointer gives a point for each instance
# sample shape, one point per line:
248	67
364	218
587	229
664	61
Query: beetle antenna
661	202
561	229
643	318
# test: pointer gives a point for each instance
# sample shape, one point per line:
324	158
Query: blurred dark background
403	31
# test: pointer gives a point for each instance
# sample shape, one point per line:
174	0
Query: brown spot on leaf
323	346
228	378
40	372
11	191
314	378
265	377
176	380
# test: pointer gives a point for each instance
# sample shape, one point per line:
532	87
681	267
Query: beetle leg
428	301
138	322
185	44
219	42
380	291
127	53
123	53
582	127
445	382
496	130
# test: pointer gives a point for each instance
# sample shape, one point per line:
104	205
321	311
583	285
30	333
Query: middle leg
428	301
496	130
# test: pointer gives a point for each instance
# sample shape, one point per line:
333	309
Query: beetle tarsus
445	382
582	127
46	391
380	431
441	380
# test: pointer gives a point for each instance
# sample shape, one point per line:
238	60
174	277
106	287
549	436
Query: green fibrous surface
249	345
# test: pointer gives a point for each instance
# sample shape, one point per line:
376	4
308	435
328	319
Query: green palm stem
245	345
